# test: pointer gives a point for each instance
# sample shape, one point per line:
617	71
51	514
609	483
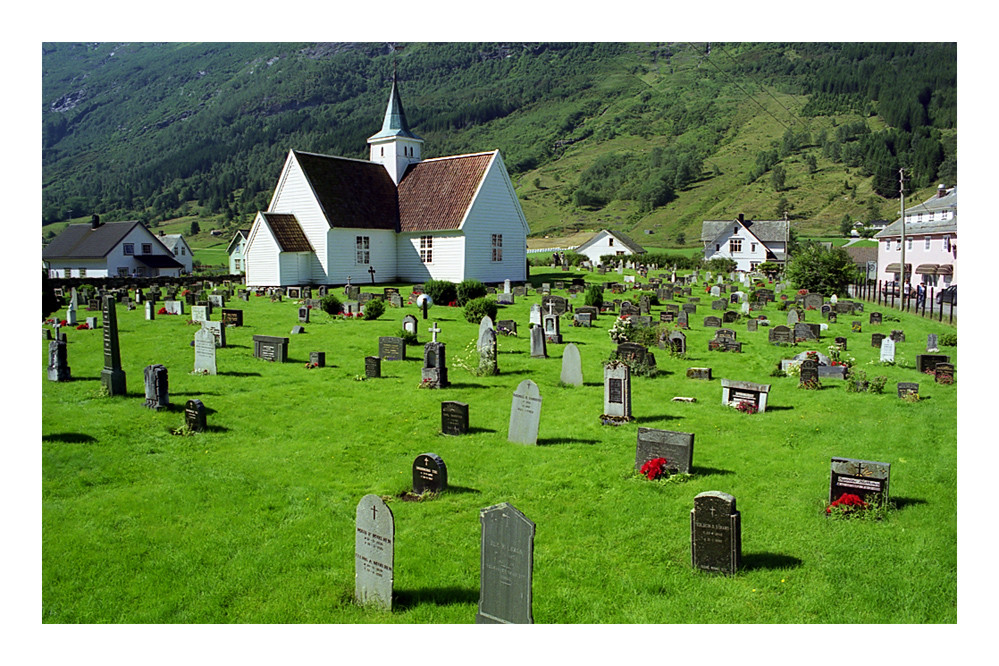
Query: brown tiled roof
288	232
434	195
353	193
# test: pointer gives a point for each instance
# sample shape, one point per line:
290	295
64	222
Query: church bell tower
395	146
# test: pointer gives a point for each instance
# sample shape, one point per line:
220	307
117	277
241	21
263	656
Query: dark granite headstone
876	339
864	478
58	368
781	335
374	553
928	362
157	387
712	322
232	317
270	348
875	318
507	566
391	348
429	474
318	359
897	335
943	373
195	417
809	372
907	388
112	376
715	533
676	447
372	367
454	417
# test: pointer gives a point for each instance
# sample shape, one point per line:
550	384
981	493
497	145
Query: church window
426	249
497	247
363	250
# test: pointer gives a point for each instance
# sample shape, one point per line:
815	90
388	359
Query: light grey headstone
374	553
792	318
525	413
507	566
887	351
572	369
535	314
218	330
539	346
617	391
676	447
204	352
931	342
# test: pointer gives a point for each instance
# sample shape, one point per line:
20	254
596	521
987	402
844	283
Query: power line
764	89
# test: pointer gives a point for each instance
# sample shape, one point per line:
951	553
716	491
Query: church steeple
395	146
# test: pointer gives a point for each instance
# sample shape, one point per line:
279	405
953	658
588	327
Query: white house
393	218
606	242
747	242
930	242
108	250
182	252
236	252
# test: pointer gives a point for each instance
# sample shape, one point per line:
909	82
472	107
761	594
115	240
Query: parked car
948	295
892	289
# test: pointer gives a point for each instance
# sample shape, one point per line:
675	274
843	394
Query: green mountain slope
638	137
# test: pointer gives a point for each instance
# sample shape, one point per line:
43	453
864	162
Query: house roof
435	194
352	193
81	241
862	254
934	204
768	231
287	232
240	234
171	241
623	238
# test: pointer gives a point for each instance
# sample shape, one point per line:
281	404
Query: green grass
252	521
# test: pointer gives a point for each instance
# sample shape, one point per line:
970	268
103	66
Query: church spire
395	146
394	123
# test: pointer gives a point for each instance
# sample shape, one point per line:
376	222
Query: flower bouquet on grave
846	505
162	311
746	407
655	469
621	330
83	327
310	366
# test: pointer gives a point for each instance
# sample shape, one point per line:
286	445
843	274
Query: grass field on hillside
253	520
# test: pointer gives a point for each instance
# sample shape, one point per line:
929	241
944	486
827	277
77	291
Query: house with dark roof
606	242
747	242
181	251
236	250
107	250
393	218
930	242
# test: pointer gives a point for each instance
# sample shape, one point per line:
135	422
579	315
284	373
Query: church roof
353	194
394	123
287	232
434	195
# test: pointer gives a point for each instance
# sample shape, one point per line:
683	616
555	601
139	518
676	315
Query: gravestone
897	335
539	348
525	414
558	305
199	313
907	388
805	331
157	387
91	323
712	322
583	319
454	417
58	368
876	339
195	415
535	316
297	330
232	317
174	307
752	324
729	317
317	359
216	300
112	376
506	326
434	371
204	352
677	342
504	298
813	301
931	342
429	474
270	348
809	372
699	373
374	553
874	318
735	392
506	566
218	330
781	335
372	367
689	308
832	318
391	348
865	478
943	373
682	320
617	393
792	318
887	351
676	447
487	347
572	371
928	362
840	342
303	315
719	304
71	315
715	533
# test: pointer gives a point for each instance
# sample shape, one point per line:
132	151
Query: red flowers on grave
746	407
846	503
82	327
62	322
802	292
654	469
162	311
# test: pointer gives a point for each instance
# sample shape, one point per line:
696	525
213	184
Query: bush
948	339
373	309
477	308
469	290
594	296
441	291
330	304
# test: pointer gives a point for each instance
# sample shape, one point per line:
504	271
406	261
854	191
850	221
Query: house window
147	248
426	249
908	243
128	248
183	252
752	247
753	265
235	264
717	247
83	272
947	243
65	272
610	242
498	247
898	244
363	244
122	271
927	244
735	245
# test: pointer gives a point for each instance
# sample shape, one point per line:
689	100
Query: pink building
930	243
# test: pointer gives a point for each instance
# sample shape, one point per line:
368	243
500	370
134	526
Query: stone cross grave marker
676	447
157	387
429	474
434	371
865	478
525	413
112	376
454	417
374	553
507	566
715	533
572	370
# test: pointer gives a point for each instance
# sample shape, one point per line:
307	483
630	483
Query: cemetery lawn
253	520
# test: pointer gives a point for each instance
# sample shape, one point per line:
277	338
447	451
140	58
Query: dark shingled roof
80	241
353	194
766	230
435	195
287	232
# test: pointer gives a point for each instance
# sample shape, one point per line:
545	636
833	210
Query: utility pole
787	242
901	195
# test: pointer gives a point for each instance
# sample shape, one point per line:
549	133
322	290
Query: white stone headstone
535	314
204	352
572	369
887	350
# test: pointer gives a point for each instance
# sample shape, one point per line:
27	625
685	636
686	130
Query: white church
394	218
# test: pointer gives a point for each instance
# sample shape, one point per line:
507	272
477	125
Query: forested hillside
639	137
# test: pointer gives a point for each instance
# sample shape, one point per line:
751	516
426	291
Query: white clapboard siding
495	210
447	259
342	256
744	258
261	256
293	194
